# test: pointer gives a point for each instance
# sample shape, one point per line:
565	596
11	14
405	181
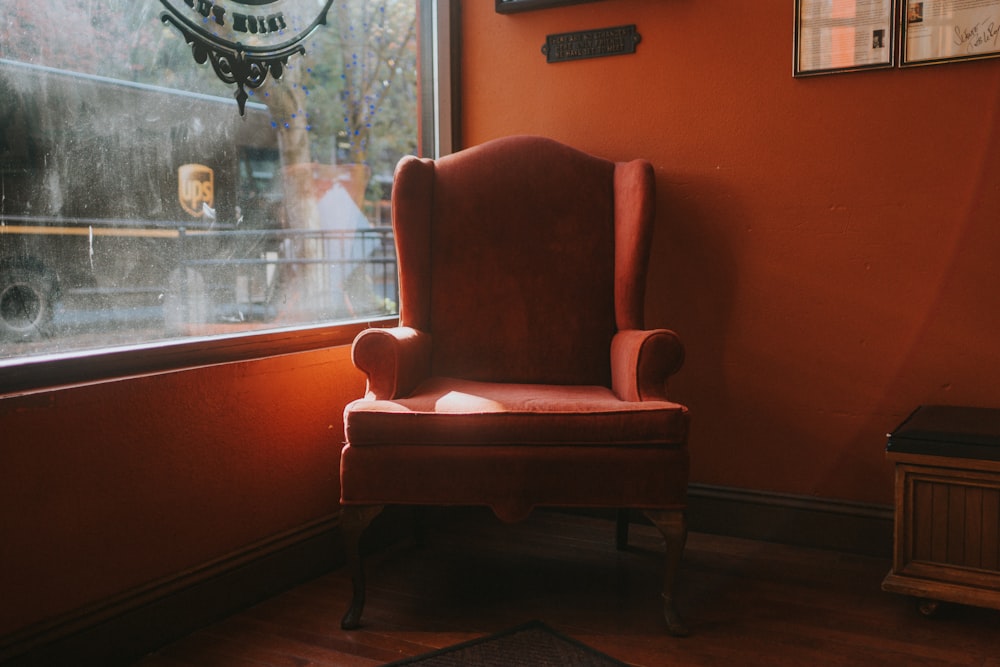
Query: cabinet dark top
949	430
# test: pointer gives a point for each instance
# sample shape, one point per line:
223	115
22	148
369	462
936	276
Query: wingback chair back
520	374
522	258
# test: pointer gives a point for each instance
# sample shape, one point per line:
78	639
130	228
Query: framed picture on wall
938	31
844	36
511	6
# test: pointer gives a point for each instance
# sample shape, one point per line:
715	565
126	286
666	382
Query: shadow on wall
784	387
739	376
691	289
950	355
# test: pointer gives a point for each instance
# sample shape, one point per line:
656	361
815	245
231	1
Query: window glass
137	204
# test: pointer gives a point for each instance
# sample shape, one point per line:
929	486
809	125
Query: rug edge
529	625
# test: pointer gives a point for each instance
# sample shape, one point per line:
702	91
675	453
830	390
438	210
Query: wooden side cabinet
947	507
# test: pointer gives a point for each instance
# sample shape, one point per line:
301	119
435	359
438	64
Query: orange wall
827	247
110	487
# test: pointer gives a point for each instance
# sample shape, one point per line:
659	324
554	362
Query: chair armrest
641	362
394	359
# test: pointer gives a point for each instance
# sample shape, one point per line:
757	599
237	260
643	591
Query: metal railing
321	274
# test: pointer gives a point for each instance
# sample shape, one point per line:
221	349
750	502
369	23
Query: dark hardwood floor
748	603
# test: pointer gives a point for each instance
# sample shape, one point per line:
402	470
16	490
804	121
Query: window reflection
136	204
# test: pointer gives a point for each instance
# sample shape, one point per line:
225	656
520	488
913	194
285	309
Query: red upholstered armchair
520	374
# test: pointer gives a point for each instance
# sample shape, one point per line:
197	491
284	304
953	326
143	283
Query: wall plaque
511	6
617	41
246	40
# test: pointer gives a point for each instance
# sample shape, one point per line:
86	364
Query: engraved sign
620	40
246	40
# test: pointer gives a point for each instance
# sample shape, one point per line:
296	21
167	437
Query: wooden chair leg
673	525
353	521
621	528
419	518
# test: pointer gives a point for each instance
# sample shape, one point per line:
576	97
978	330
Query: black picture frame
513	6
871	28
949	31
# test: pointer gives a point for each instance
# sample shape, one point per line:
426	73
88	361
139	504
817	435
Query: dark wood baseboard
119	631
820	523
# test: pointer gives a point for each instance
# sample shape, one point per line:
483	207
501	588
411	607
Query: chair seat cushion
452	411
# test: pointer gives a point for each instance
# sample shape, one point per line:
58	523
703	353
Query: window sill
34	374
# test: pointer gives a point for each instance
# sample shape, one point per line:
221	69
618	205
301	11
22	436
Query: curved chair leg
621	528
673	525
353	521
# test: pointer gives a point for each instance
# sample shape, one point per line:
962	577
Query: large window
138	205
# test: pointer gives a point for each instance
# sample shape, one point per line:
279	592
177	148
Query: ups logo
196	188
